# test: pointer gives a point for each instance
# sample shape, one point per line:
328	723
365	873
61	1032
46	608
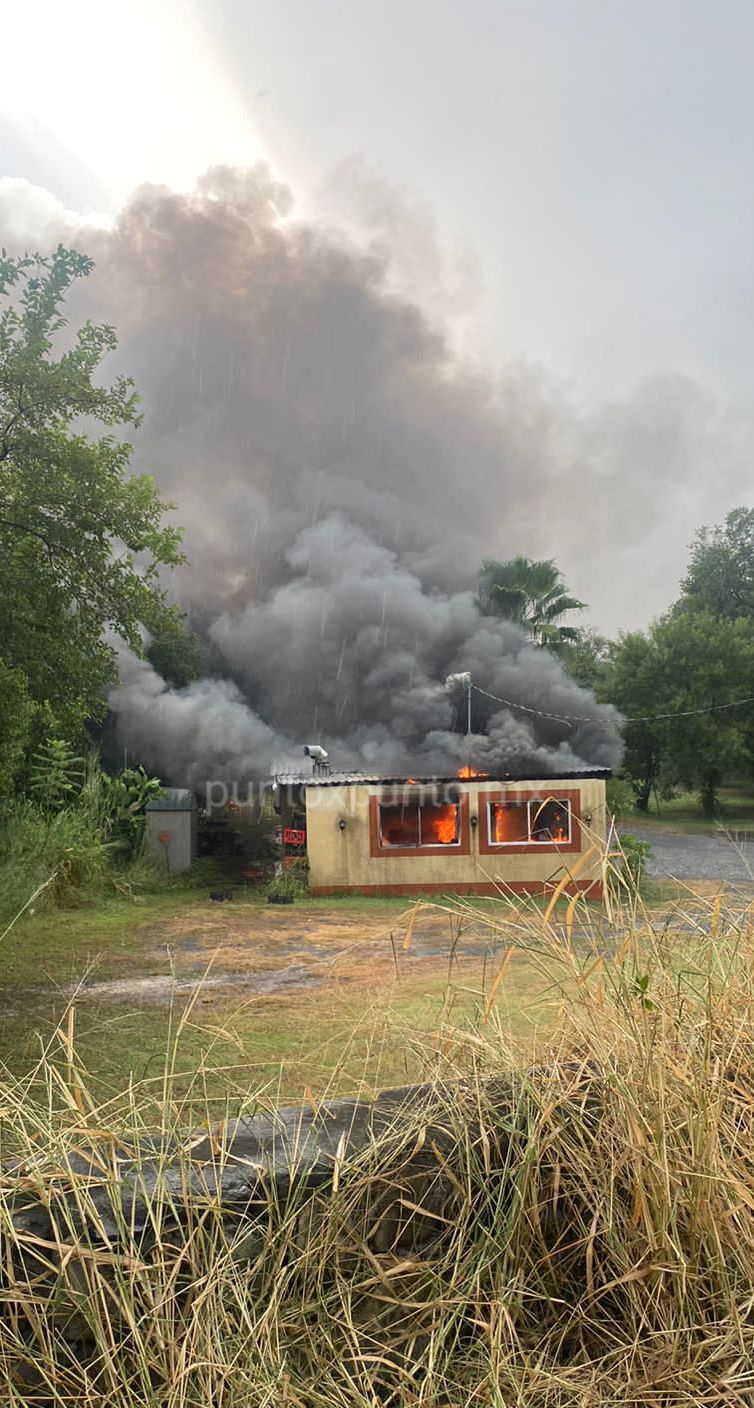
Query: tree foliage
708	664
693	664
81	538
531	593
586	658
176	653
694	667
57	775
631	684
117	803
720	576
16	711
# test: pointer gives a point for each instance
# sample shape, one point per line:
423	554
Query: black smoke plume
340	475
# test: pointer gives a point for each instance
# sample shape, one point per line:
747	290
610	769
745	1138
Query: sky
566	185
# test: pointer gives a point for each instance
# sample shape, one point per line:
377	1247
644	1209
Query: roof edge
373	780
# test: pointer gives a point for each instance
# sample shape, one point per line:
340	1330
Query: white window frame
422	845
564	802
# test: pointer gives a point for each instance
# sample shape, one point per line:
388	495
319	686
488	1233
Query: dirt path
247	949
216	953
233	947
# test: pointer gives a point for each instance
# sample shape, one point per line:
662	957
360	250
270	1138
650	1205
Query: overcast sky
568	181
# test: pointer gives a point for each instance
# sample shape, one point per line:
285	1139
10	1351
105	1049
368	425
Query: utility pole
465	681
466	678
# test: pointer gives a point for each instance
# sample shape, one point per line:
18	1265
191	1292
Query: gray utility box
171	829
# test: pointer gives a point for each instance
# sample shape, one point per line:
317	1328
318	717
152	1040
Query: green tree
630	683
720	576
531	593
175	653
587	658
692	667
16	712
81	538
706	661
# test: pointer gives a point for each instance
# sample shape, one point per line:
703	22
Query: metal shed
171	829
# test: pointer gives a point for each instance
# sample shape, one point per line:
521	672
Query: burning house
470	834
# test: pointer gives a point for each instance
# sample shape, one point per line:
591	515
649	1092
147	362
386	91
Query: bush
56	775
117	804
636	853
628	864
620	796
253	831
80	834
292	882
58	858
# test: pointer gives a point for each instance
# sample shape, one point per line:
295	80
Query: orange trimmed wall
345	855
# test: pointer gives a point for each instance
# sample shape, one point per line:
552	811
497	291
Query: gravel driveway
686	856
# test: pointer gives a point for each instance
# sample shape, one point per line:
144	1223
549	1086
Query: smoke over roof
340	475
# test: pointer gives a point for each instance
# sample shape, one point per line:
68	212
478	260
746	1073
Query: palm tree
533	594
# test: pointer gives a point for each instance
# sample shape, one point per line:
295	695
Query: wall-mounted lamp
588	818
342	824
474	821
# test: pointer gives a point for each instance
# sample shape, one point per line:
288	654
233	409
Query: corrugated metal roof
361	779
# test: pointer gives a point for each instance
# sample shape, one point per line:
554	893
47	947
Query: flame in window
415	824
510	822
439	825
516	823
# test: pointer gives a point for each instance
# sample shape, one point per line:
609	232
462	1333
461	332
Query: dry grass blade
570	1230
495	984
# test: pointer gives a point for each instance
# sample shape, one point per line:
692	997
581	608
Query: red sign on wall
293	837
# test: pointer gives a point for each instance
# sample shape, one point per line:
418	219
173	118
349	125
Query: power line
687	713
541	713
589	718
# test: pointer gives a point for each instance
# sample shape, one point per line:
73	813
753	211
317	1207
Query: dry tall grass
580	1232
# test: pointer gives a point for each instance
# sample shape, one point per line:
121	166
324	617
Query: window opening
530	823
418	824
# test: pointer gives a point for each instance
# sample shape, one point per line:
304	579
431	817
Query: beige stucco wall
339	857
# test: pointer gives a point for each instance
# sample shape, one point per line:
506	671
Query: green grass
57	946
361	1024
108	936
354	1027
332	1039
684	813
658	892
